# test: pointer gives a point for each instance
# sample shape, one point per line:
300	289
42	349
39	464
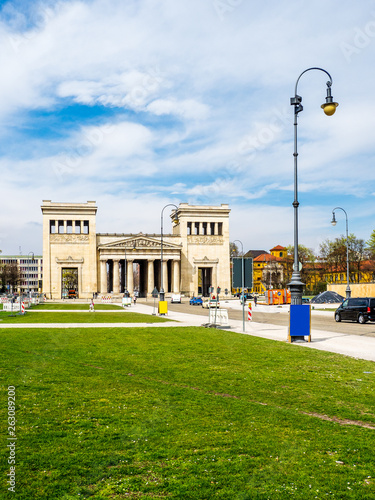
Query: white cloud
189	108
158	99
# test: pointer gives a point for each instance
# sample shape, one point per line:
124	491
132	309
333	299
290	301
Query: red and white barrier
23	308
250	313
107	299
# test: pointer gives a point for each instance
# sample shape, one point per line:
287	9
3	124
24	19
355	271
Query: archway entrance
69	282
204	281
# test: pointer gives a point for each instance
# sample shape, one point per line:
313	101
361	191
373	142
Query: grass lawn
185	413
119	316
72	306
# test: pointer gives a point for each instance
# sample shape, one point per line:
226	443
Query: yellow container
163	307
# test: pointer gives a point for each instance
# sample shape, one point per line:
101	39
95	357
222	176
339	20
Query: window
189	228
77	227
204	227
52	227
196	227
61	226
69	227
85	227
220	228
212	225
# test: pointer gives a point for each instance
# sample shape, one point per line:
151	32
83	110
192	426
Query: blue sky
136	104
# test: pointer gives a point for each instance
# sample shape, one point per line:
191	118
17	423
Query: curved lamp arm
329	107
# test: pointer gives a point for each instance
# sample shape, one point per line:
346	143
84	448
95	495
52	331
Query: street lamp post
162	294
329	108
28	271
125	275
333	222
243	286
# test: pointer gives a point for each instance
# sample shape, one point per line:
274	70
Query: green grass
120	316
72	306
185	413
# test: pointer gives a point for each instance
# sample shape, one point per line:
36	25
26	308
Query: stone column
150	277
165	276
129	276
103	276
176	276
214	277
116	276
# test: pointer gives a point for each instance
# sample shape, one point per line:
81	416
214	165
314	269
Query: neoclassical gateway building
195	256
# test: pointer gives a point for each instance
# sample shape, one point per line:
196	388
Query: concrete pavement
349	345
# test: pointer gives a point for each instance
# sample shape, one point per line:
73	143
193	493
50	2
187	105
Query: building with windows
30	272
268	268
77	258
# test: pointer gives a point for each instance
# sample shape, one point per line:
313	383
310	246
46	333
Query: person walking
255	300
92	309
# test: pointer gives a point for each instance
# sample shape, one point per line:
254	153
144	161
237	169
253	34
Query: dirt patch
340	421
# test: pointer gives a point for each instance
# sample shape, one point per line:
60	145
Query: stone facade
193	258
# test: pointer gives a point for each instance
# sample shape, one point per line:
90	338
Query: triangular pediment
139	241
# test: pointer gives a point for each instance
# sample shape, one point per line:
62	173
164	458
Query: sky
135	104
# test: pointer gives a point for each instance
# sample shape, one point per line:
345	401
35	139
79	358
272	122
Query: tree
333	256
233	250
70	278
307	258
357	255
370	243
10	275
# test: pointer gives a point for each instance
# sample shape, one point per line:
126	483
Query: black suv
360	309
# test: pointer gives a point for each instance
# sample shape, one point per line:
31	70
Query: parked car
176	298
361	309
211	303
196	301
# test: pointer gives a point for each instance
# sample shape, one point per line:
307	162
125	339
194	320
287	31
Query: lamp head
175	218
333	221
329	107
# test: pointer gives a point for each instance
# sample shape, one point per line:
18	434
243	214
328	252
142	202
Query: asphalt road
318	321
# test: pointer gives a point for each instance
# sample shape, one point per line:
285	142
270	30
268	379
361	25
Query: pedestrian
135	299
255	300
92	306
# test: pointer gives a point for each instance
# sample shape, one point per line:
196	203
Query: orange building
268	271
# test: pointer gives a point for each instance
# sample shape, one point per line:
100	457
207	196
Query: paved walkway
349	345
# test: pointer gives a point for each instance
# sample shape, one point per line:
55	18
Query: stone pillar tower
205	259
69	249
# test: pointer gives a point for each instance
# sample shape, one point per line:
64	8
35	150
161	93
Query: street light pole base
296	289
